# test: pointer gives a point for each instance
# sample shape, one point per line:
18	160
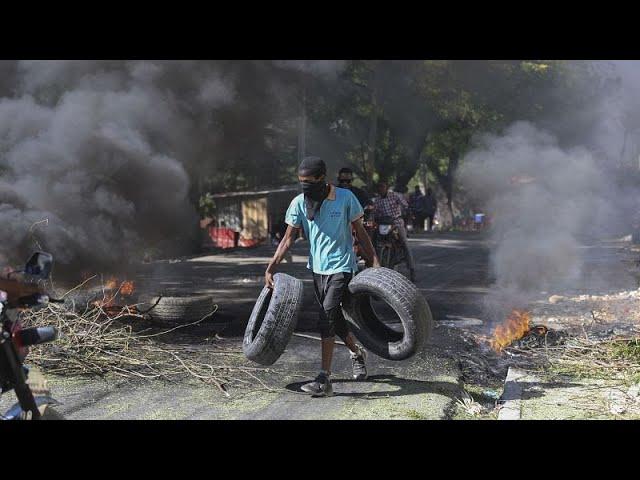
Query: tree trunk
373	136
403	178
451	168
424	177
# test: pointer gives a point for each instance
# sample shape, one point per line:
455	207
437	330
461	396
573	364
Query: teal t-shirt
329	233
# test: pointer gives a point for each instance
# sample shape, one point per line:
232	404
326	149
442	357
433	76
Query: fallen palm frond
100	340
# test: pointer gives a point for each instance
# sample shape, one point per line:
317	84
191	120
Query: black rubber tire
273	320
406	300
187	309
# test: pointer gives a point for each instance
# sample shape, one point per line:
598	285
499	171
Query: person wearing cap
327	214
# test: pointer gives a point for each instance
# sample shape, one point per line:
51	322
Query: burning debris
113	289
514	328
517	333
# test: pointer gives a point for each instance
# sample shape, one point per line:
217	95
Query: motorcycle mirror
39	265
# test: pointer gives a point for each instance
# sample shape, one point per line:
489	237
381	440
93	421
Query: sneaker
320	387
358	362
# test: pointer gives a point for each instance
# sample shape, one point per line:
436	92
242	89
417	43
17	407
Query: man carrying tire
327	214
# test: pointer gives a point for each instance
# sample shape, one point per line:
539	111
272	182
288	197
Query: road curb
511	396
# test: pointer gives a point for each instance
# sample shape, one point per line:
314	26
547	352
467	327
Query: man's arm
365	199
365	241
376	206
402	200
283	247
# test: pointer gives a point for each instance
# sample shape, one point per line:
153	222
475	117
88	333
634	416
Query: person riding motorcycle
391	204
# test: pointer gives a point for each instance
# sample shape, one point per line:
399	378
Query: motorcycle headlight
384	229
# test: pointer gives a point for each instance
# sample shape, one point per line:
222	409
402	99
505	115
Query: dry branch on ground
100	339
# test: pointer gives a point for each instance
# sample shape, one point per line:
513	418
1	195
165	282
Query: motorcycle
388	246
370	227
15	340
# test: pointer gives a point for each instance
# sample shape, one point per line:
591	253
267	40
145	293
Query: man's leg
336	292
321	386
405	244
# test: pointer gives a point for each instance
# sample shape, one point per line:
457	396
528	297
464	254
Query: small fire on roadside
114	287
126	288
514	328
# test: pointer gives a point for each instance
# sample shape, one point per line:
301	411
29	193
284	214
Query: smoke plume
97	158
548	197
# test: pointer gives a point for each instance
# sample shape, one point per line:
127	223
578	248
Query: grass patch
627	350
614	359
415	415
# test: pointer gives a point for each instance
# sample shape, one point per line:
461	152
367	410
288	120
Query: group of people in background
418	210
423	208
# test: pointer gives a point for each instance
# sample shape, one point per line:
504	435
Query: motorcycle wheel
386	257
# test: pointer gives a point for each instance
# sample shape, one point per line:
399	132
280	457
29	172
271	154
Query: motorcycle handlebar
36	335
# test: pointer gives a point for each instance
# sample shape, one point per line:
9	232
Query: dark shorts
330	292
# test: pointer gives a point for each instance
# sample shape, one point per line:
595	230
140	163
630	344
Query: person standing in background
430	208
417	209
345	180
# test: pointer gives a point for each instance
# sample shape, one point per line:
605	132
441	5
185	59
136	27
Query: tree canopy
399	120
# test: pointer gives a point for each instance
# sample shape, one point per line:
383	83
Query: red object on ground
222	237
250	242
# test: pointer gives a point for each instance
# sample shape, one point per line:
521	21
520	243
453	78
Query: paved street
452	274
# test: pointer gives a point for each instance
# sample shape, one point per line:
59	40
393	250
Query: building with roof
247	219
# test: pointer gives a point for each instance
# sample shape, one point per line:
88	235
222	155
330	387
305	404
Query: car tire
403	297
273	319
184	309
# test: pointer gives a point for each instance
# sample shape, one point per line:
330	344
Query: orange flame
514	328
126	288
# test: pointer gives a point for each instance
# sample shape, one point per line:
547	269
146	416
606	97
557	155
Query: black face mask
314	190
314	195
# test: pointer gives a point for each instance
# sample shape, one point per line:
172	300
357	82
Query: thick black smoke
106	151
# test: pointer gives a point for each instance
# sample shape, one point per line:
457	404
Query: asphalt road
451	273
